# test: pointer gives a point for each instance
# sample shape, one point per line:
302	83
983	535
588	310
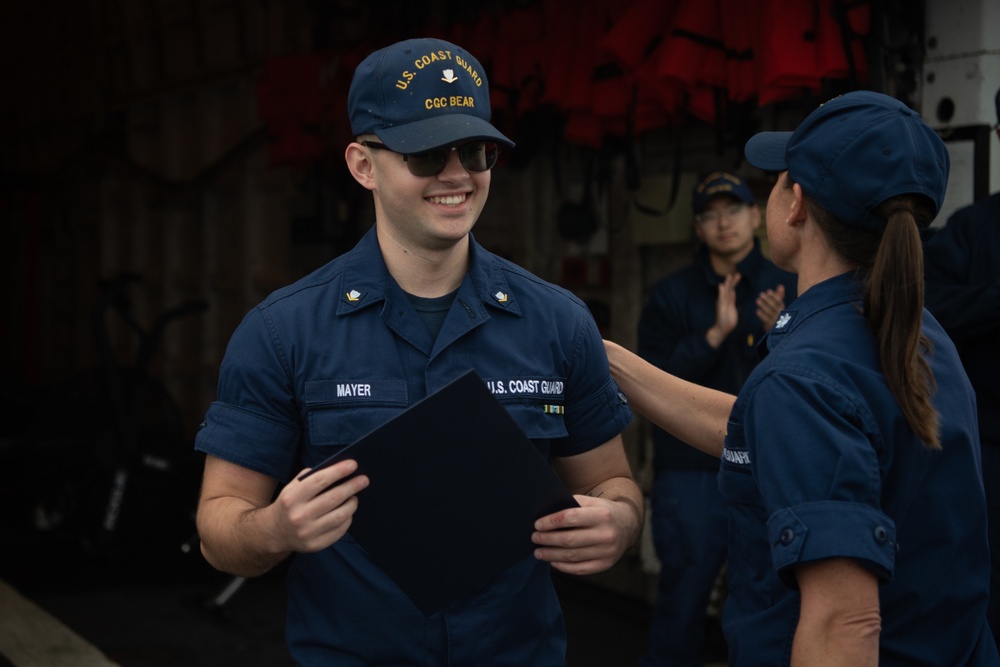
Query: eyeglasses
475	156
713	217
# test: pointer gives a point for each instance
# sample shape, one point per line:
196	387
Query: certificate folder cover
455	490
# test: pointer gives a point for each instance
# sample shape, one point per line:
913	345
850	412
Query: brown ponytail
893	270
894	303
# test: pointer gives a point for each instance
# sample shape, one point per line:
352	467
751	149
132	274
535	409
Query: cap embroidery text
449	74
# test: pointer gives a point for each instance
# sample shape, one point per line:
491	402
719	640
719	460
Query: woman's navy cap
856	151
420	94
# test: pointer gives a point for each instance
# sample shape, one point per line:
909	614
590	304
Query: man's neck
724	265
425	272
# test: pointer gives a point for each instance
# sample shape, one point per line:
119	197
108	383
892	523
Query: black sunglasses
475	156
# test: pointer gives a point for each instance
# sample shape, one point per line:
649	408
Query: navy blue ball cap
420	94
856	151
720	183
768	150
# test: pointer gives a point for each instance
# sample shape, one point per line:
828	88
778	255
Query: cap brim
766	150
443	130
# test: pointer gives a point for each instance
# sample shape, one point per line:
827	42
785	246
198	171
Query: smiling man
413	306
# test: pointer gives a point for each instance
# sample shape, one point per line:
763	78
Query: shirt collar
365	278
844	288
748	267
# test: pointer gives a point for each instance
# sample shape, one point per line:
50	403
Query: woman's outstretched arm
692	413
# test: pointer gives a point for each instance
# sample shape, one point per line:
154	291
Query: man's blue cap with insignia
720	183
420	94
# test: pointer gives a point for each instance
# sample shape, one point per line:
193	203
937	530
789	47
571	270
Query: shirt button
787	535
881	535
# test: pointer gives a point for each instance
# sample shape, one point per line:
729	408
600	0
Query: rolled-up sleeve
253	422
816	453
830	529
596	408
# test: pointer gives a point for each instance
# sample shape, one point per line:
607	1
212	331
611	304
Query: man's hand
726	314
312	513
770	303
244	533
587	539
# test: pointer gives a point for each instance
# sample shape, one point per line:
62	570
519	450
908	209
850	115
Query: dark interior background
164	164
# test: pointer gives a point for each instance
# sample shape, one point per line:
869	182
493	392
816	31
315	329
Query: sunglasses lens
475	156
478	155
430	163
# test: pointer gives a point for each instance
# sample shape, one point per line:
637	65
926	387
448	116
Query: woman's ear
360	164
797	207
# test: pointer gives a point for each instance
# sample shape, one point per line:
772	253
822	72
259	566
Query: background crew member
963	291
702	323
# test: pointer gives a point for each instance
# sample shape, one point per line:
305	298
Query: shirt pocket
340	412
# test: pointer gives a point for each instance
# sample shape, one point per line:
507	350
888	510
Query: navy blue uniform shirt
819	462
322	362
680	310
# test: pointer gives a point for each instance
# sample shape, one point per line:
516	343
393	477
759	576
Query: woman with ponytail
850	459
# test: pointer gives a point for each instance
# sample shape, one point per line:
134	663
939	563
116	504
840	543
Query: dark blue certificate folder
455	490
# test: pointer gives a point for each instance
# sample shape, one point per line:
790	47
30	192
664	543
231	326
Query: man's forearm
233	537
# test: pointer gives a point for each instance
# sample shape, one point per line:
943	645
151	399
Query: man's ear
360	164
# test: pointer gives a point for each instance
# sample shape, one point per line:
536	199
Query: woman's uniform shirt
819	462
324	361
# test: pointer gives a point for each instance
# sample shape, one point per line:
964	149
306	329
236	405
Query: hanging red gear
290	102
